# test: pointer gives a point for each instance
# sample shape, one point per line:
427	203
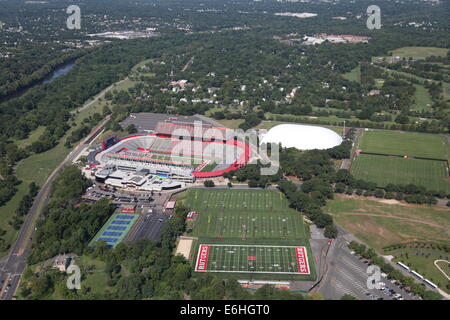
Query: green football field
245	214
382	170
249	231
404	143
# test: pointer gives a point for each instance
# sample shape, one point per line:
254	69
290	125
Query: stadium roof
302	137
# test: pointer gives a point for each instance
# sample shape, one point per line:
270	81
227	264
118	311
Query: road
15	263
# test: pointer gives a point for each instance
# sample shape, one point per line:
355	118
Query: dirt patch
184	247
395	217
392	202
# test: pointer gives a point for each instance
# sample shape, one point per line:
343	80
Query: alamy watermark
74	281
374	19
373	280
74	20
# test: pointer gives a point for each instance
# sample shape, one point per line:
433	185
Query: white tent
302	137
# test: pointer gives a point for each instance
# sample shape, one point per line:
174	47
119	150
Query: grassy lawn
381	224
419	52
422	260
382	170
421	257
232	124
404	143
422	98
33	136
95	279
354	75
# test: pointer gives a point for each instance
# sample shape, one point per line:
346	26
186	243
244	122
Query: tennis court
115	229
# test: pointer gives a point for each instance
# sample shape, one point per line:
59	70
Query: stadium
170	154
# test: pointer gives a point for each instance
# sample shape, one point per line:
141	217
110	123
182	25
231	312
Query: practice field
115	229
245	214
382	170
407	143
252	259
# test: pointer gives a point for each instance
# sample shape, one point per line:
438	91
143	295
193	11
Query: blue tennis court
124	216
117	228
112	234
109	240
120	222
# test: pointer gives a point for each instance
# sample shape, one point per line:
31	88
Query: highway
15	264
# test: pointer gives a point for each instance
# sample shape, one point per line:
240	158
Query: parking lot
148	226
348	275
118	196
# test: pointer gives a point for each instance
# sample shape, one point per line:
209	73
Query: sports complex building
169	152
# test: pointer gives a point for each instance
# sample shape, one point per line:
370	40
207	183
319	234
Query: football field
252	259
245	214
249	232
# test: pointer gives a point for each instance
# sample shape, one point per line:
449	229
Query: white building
302	137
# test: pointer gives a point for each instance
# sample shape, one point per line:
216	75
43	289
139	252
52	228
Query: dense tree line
66	227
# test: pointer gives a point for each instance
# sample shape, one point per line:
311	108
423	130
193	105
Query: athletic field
249	231
252	259
404	143
382	170
244	214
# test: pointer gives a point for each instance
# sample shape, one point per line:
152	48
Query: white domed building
302	137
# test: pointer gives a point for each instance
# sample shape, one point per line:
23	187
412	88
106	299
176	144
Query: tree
209	183
331	231
131	129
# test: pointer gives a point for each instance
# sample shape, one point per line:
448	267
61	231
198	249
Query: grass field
382	170
422	98
380	224
245	214
404	143
248	231
419	52
353	75
32	137
232	124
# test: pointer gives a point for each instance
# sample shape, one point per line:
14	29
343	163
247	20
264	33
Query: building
302	137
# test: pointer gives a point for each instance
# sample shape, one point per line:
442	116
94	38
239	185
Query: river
60	71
